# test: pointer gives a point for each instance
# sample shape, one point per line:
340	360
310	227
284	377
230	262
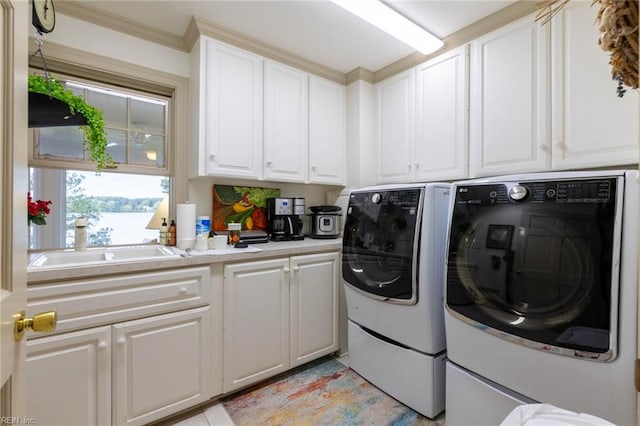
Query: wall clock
44	15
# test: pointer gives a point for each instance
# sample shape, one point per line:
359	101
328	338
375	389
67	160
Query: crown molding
199	27
360	73
258	47
120	24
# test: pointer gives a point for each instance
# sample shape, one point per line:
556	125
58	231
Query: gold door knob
42	322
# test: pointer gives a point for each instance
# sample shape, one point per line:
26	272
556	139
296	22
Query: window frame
68	163
78	64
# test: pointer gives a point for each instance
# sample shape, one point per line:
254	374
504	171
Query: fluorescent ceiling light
388	20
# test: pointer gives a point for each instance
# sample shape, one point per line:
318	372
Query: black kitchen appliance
283	220
325	222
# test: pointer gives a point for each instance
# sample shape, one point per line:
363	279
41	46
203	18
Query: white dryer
392	266
541	295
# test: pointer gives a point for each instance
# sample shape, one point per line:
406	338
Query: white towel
549	415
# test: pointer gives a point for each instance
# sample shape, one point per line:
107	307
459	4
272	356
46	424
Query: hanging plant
617	22
95	137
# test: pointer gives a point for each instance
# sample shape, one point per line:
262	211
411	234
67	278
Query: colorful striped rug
322	393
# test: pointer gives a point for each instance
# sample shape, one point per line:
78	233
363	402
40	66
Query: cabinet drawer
91	302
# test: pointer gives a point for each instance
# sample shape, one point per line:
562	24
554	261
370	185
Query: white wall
98	40
361	158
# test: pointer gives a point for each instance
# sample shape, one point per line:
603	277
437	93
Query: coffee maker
283	218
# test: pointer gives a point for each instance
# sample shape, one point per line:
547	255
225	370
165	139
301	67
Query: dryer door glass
540	268
380	242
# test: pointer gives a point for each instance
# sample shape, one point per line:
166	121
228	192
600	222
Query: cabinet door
509	100
327	131
256	322
314	306
592	126
162	365
395	105
69	378
233	91
441	117
286	107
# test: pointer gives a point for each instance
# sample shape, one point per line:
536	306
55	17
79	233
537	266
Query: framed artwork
241	204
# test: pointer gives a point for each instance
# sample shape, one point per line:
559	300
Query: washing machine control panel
566	191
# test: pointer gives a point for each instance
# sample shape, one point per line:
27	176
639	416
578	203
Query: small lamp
161	212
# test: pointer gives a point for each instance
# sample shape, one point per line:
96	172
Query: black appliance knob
376	198
518	192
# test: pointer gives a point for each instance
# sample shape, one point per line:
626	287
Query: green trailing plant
95	137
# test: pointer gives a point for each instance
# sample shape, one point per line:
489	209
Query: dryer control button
376	197
518	193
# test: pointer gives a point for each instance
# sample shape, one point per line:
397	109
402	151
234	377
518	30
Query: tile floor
216	415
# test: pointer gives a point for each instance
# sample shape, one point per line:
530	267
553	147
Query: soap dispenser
164	232
80	242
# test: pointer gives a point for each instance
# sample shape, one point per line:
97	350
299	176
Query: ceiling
315	30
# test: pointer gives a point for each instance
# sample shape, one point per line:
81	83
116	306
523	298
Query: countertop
271	249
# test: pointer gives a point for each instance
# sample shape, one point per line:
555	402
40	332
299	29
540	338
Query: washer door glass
379	244
540	270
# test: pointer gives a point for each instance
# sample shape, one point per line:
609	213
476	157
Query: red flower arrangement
37	210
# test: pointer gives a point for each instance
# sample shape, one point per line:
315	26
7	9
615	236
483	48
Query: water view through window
118	206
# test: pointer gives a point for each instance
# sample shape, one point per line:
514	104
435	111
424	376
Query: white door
256	321
441	117
327	131
234	111
13	187
314	306
395	104
286	106
508	100
591	125
176	344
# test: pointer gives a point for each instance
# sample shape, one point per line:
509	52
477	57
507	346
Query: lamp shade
161	212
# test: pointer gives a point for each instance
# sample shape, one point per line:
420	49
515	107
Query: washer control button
518	193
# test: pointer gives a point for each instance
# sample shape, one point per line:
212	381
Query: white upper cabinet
228	89
286	104
259	119
395	111
509	100
422	121
327	131
442	93
591	125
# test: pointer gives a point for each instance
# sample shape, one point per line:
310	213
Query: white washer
393	256
561	327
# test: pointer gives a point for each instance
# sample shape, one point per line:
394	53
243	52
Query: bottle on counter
164	232
80	237
172	233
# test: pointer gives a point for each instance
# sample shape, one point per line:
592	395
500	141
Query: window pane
135	125
114	108
117	145
64	142
147	116
119	207
147	149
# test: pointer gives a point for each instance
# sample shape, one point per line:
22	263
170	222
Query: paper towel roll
186	226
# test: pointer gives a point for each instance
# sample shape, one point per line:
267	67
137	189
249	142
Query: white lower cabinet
161	366
129	349
278	314
69	378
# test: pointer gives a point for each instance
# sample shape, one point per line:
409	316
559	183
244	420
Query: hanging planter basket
617	22
73	110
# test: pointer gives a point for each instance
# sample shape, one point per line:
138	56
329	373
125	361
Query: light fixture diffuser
388	20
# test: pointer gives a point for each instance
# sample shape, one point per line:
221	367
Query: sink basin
100	255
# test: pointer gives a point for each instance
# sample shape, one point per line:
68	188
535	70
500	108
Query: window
118	203
136	126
